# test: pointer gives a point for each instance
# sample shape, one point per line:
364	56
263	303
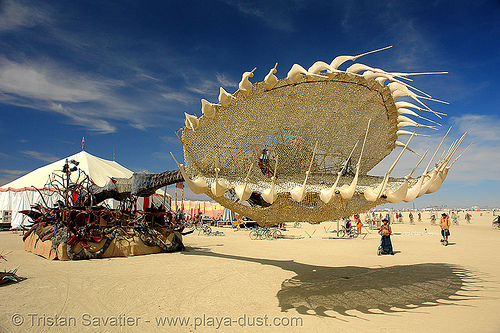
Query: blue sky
122	73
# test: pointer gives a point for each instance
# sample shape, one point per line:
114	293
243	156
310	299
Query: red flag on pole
83	143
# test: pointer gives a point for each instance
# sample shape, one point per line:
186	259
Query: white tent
21	193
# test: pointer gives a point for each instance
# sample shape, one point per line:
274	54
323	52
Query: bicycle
260	233
352	232
496	223
204	229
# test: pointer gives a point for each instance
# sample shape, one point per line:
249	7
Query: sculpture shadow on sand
327	291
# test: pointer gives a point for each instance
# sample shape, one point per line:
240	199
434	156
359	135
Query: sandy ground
234	284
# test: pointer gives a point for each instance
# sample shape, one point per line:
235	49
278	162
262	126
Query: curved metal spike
372	195
400	144
341	59
208	109
243	192
403	104
298	193
245	86
270	195
347	191
296	73
225	98
413	124
198	186
403	132
327	195
320	66
402	111
192	122
270	80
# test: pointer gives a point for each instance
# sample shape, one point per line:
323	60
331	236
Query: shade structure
27	190
313	137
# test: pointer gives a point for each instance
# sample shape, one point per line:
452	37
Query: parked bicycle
204	229
260	233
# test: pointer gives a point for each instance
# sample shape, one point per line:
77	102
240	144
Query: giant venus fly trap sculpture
299	148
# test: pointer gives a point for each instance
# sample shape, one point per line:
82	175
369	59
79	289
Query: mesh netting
285	123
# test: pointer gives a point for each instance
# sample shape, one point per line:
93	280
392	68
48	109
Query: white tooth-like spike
327	195
208	109
270	195
374	75
335	64
245	86
355	68
400	90
320	66
381	80
404	104
402	118
405	119
441	170
347	191
402	111
425	186
296	73
198	186
414	124
192	122
218	188
243	192
400	144
377	72
299	192
270	80
225	98
400	194
373	194
403	132
413	74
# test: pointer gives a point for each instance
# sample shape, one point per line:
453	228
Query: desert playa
311	282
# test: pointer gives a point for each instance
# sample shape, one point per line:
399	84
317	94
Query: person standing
386	231
444	223
359	225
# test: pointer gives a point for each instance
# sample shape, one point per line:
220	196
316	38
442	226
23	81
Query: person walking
444	224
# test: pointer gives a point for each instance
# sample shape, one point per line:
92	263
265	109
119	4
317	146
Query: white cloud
276	14
479	163
225	82
13	172
479	127
47	82
16	15
179	97
46	157
170	140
